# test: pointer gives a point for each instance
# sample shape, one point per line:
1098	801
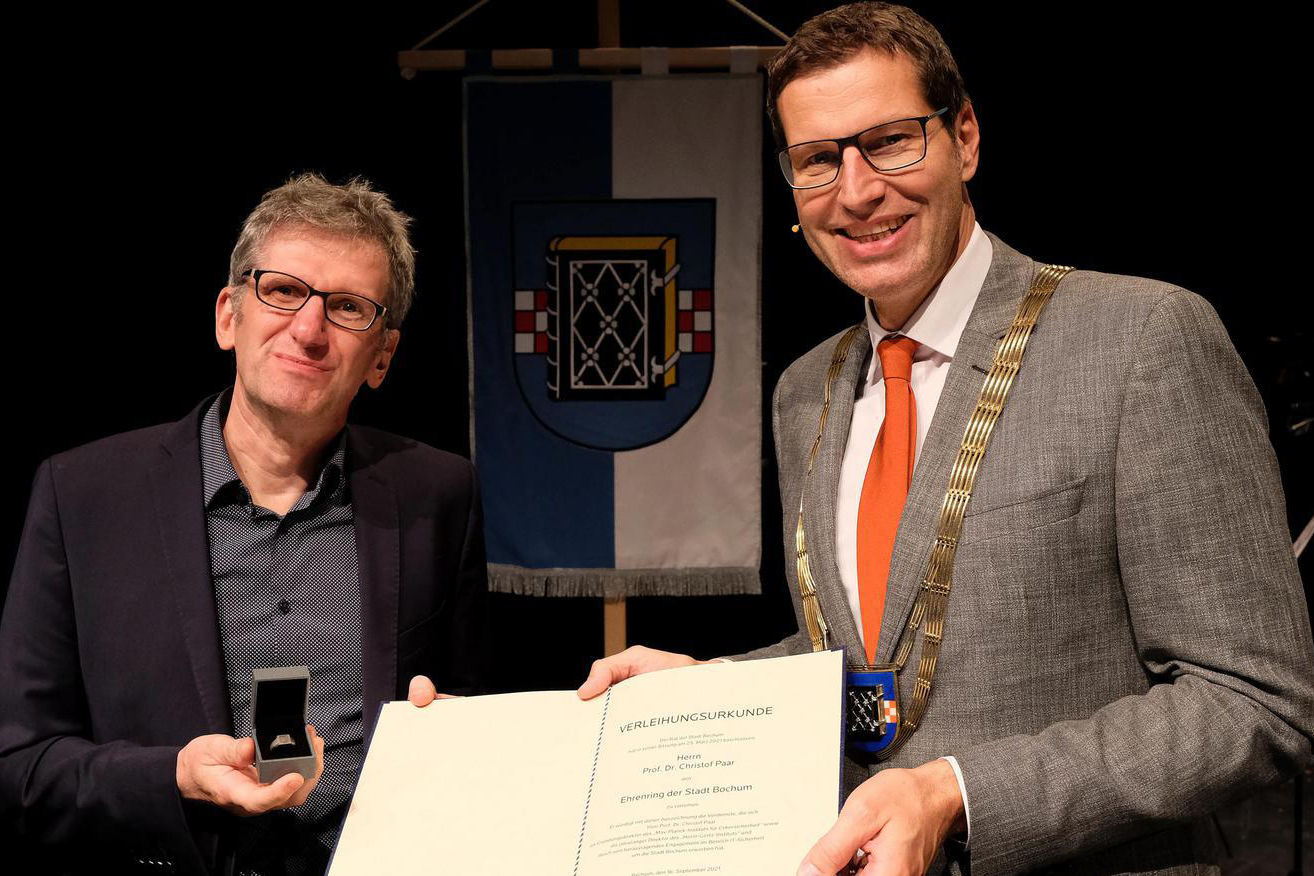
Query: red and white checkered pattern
694	320
531	321
891	711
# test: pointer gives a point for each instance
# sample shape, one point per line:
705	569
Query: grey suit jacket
1127	646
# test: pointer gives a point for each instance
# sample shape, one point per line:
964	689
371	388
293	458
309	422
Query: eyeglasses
887	146
285	292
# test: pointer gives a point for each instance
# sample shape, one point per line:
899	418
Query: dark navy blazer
109	646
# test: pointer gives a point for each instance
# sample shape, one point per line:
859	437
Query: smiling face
888	236
299	364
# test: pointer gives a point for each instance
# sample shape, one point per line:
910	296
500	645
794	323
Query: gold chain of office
933	597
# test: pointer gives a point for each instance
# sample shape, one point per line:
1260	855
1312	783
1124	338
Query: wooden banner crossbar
608	58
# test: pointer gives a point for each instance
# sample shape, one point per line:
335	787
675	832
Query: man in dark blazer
1125	646
159	568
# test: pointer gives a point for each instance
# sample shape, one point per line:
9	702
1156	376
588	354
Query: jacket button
284	606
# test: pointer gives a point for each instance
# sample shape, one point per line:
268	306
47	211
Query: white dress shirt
936	326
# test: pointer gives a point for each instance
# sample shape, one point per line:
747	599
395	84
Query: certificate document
728	768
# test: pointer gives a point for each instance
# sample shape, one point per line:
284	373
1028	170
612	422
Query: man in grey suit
1125	646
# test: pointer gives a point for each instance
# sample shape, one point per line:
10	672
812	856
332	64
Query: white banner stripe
695	499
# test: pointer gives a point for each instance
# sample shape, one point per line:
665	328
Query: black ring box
278	706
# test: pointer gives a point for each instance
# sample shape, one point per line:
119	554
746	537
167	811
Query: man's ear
967	138
379	370
225	318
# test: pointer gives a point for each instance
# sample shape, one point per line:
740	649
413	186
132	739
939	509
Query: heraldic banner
614	233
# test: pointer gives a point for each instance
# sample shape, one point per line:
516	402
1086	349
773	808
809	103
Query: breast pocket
1011	515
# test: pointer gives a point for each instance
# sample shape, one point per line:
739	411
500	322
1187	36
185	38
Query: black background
1152	140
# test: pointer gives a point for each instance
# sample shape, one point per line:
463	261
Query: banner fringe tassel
615	583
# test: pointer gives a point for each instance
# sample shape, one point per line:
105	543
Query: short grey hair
355	209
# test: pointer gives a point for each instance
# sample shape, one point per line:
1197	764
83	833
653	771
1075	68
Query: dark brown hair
835	37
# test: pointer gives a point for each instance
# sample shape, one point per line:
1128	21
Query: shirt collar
937	324
218	475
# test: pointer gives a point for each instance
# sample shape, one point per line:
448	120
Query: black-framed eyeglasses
285	292
885	147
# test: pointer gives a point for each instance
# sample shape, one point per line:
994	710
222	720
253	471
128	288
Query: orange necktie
885	488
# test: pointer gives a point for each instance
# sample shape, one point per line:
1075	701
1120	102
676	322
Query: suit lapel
1005	284
180	516
819	495
374	511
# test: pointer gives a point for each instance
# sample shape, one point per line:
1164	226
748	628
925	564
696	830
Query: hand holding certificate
725	768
